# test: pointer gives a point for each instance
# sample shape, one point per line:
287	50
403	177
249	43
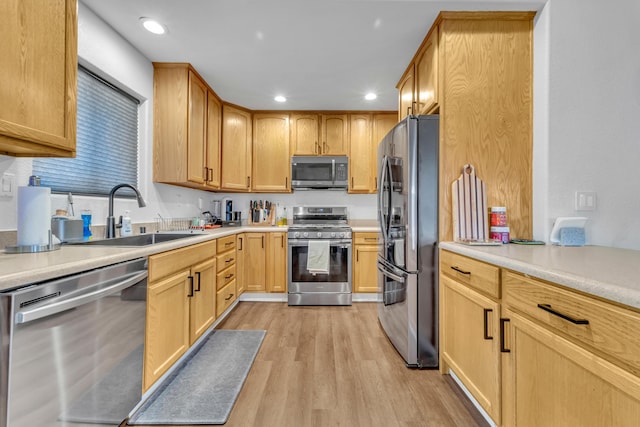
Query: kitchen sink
137	240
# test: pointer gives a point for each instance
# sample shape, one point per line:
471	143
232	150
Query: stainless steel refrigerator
408	217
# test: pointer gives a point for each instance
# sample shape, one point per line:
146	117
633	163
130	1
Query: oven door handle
103	289
305	243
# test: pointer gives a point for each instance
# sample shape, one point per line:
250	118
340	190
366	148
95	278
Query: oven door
301	280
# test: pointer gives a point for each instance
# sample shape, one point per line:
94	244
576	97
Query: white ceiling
320	54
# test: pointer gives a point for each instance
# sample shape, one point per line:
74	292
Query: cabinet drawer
165	263
226	243
225	260
365	239
226	276
225	297
610	330
476	274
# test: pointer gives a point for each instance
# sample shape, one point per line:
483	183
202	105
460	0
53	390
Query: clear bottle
126	230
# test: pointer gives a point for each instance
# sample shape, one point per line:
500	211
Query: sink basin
137	240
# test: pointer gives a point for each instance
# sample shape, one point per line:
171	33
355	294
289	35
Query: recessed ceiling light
153	26
370	96
280	98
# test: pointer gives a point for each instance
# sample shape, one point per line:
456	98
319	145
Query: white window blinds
107	143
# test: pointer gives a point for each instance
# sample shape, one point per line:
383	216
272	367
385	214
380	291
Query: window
106	147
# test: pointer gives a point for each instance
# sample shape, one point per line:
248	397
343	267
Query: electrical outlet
586	201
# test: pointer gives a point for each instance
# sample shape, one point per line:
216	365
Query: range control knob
333	234
305	234
319	234
341	235
296	234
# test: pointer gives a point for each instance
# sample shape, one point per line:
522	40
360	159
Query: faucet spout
110	230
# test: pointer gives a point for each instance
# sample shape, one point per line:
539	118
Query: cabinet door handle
547	307
282	242
461	271
190	294
263	242
286	182
317	147
198	275
486	323
211	170
324	147
240	239
352	183
248	182
206	174
503	349
357	255
229	297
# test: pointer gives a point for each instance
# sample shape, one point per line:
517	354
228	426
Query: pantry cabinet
366	247
271	168
180	305
475	70
236	149
38	75
470	324
186	137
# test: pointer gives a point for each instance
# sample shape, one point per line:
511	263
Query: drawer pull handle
547	307
229	297
460	271
229	243
486	324
503	349
229	260
228	276
371	239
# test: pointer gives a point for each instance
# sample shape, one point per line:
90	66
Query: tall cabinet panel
270	170
236	149
214	137
38	77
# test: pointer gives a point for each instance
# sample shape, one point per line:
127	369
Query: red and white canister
499	233
498	216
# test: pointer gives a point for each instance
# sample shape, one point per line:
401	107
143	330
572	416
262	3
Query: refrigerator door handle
384	170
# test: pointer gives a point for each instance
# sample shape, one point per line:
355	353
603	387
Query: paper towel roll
34	215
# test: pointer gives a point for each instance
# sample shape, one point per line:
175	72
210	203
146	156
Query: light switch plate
8	185
586	201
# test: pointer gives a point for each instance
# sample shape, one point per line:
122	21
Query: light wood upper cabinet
186	137
475	70
382	124
38	77
305	133
361	166
236	149
426	72
335	134
406	93
214	140
271	158
276	262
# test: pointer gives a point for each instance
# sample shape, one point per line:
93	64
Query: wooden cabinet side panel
426	74
214	140
406	96
240	262
39	72
271	159
485	92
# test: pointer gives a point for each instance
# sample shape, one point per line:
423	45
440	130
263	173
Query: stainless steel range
319	258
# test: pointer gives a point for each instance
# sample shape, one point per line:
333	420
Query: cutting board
469	198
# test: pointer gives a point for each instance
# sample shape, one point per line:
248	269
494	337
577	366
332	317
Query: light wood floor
333	366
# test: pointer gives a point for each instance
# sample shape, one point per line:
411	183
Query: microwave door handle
26	316
333	171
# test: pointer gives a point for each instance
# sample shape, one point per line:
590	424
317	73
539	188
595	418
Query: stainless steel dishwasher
71	349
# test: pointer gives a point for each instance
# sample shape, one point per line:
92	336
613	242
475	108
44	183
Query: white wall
594	118
103	51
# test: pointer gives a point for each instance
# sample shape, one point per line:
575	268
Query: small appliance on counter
67	229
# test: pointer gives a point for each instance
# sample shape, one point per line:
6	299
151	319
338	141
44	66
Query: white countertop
364	225
609	273
22	269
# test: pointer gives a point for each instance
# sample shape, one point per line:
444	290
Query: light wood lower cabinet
365	259
277	262
227	291
262	262
254	261
469	340
180	305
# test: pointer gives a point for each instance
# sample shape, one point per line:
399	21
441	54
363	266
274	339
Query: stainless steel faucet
111	221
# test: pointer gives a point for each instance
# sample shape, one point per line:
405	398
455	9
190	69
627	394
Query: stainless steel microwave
319	172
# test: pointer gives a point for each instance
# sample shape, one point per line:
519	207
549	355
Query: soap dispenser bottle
126	230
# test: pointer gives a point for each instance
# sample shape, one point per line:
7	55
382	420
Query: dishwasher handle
122	282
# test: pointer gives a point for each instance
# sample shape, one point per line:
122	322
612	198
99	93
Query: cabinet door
214	138
406	90
365	271
470	344
236	149
361	167
305	130
203	301
38	75
382	124
426	74
254	262
335	134
197	125
271	159
167	330
240	263
277	262
551	381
